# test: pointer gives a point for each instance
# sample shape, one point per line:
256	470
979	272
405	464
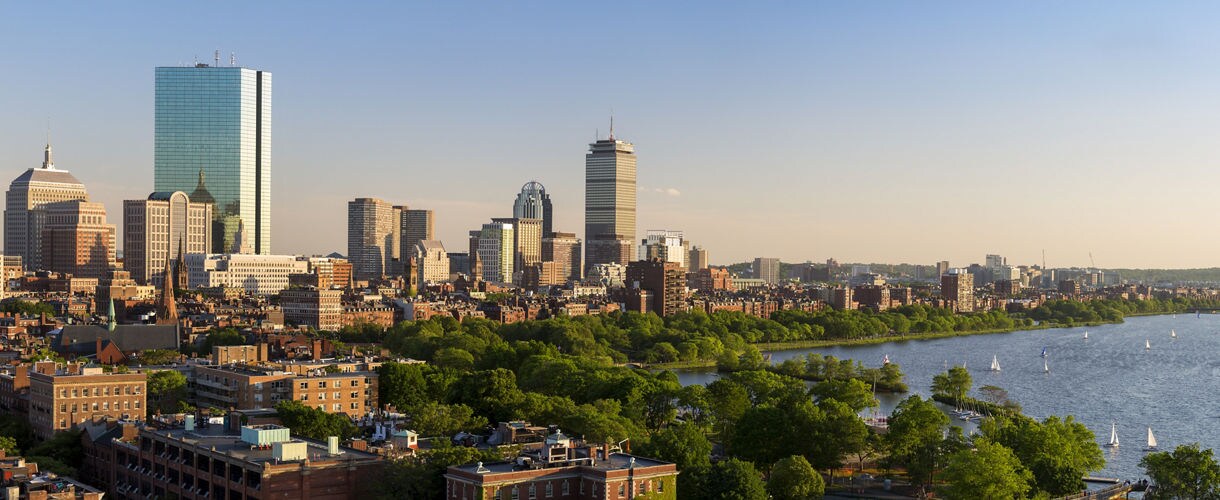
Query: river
1173	387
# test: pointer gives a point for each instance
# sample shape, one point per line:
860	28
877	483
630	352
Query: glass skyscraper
213	140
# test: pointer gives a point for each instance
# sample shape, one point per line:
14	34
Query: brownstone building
564	249
62	396
212	462
255	387
77	240
708	279
321	309
361	315
664	281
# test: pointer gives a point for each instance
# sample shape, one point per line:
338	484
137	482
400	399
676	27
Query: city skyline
824	129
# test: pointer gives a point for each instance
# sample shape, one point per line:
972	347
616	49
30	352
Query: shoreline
811	344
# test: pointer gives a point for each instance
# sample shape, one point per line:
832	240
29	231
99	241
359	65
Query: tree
221	337
990	470
435	419
166	389
402	386
1059	452
1187	472
793	478
954	383
158	356
9	445
731	479
314	423
64	450
683	444
852	392
423	475
915	436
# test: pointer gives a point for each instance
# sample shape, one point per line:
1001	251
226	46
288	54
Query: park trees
1059	452
792	478
1187	473
990	470
916	437
166	391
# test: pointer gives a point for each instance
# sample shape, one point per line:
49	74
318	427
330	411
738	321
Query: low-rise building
255	274
321	309
63	396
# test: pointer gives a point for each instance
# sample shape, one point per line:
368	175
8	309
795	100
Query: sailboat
1113	436
1044	352
1151	441
1147	345
995	363
1173	334
1046	368
1086	335
886	360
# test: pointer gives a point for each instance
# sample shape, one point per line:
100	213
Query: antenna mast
232	59
216	58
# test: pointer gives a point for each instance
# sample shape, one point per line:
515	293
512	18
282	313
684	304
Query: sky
863	131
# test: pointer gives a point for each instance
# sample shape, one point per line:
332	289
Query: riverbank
813	344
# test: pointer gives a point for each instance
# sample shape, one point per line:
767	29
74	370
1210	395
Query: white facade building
256	274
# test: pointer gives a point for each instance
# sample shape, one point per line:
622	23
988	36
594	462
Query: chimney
317	350
190	423
97	352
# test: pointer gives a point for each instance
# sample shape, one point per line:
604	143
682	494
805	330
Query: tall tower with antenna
610	201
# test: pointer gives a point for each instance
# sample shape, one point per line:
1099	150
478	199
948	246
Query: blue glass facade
213	139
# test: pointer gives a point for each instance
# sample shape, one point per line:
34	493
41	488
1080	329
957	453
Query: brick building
212	462
255	387
62	396
321	309
664	281
564	468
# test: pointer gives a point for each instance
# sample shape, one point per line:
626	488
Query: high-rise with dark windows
610	202
214	123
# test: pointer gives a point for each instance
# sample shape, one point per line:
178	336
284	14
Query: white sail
1151	439
1173	334
1147	344
1045	367
995	363
1086	335
1113	435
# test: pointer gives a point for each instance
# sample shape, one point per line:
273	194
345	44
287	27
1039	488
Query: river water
1174	387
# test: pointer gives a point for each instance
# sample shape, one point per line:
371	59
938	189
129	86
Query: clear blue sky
882	131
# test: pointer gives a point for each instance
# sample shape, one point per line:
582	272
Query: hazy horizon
864	132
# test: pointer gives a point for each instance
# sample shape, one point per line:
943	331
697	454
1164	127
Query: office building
320	309
417	226
767	269
159	229
942	267
610	201
353	393
64	396
664	282
459	263
565	250
373	236
534	203
957	288
25	208
697	259
215	122
253	274
527	241
77	240
496	242
665	245
431	262
709	279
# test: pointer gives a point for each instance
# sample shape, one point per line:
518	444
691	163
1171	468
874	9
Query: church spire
167	309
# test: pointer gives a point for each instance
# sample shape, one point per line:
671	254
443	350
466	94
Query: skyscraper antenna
232	59
612	125
216	58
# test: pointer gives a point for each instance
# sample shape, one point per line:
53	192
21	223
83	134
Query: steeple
167	307
180	280
47	162
110	321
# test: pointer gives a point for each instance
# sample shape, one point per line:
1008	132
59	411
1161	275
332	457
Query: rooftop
616	461
220	440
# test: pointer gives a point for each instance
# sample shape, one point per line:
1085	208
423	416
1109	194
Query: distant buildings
565	250
610	201
77	240
431	262
697	259
527	241
495	248
655	286
767	269
155	229
534	203
26	204
957	288
320	309
665	245
373	236
417	226
254	274
217	121
712	279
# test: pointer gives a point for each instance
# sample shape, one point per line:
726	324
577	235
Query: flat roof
218	439
616	461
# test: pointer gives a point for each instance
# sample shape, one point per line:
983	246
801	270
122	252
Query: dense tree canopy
792	478
1185	473
166	391
989	471
1059	452
314	423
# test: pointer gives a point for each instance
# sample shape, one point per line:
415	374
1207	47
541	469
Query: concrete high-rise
534	203
25	208
431	262
697	259
957	288
417	226
527	241
217	121
77	240
495	252
372	238
610	201
161	228
767	269
665	245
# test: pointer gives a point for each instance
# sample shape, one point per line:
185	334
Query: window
338	407
550	490
355	383
304	397
622	489
355	406
355	395
660	486
304	385
533	491
516	493
565	489
322	384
